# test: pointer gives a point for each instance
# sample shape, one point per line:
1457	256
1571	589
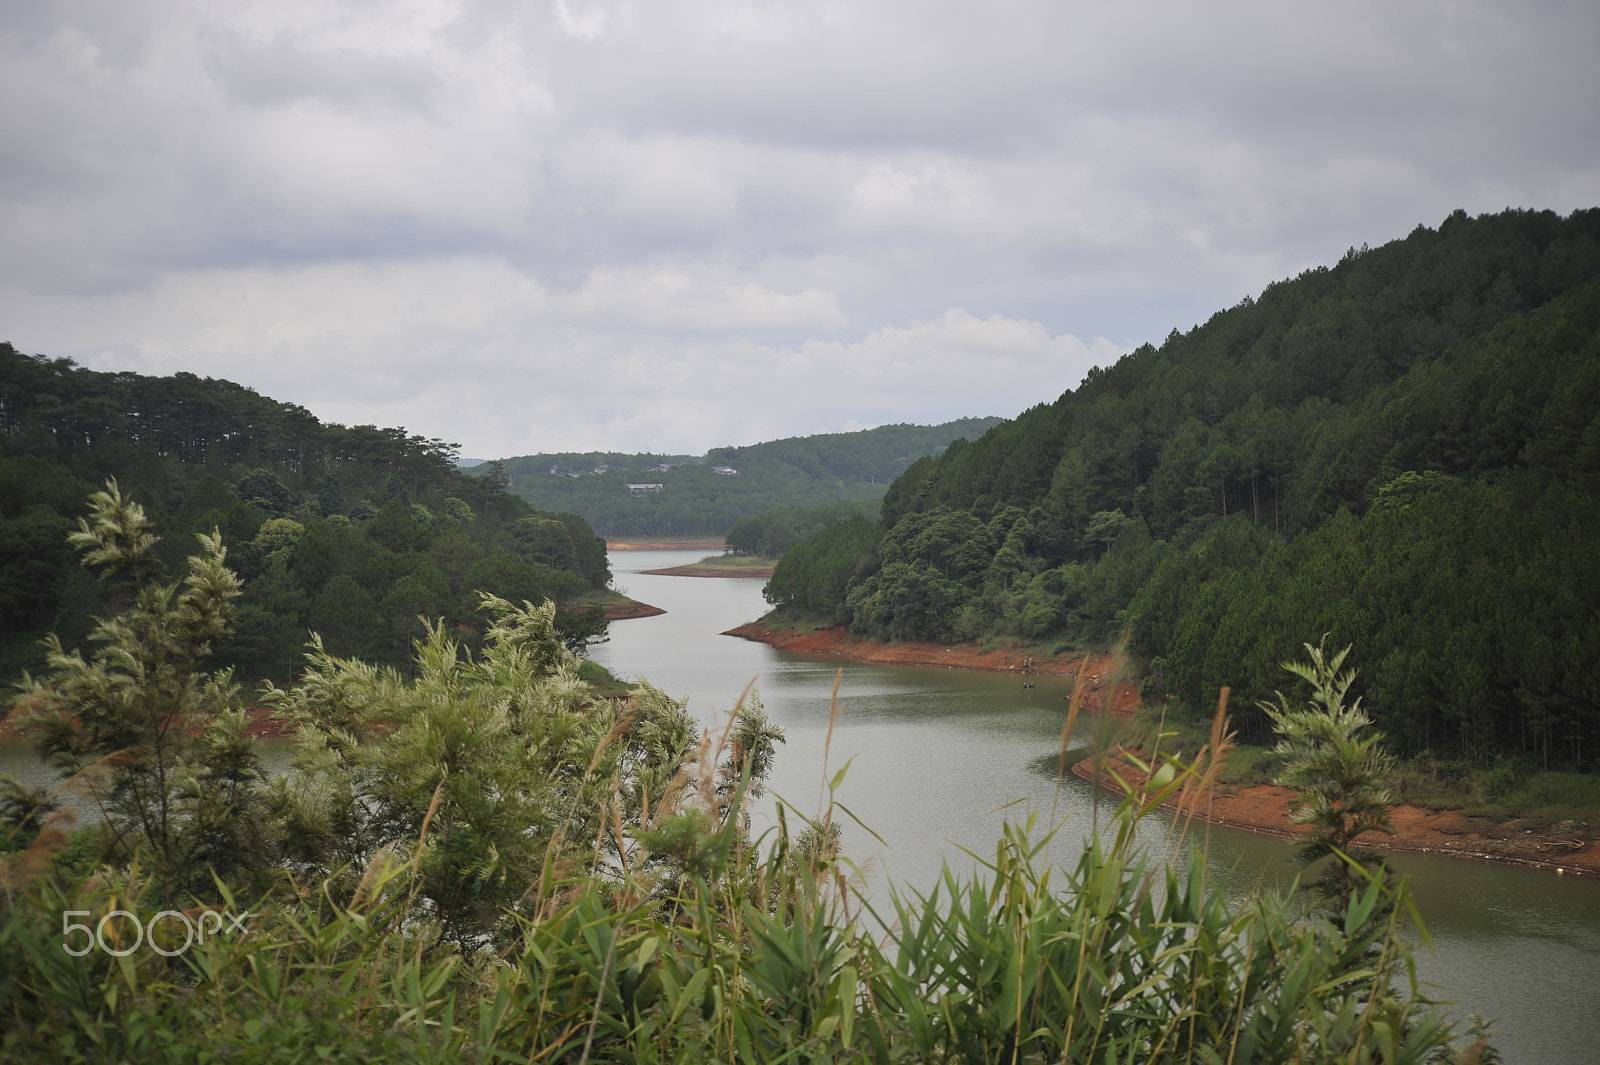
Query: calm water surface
940	758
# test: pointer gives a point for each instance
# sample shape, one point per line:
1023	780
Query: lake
938	758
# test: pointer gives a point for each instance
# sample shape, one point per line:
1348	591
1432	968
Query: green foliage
1334	765
1118	963
814	578
1402	450
304	981
505	755
300	504
771	533
155	739
23	812
756	959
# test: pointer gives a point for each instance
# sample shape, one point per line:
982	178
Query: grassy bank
723	566
618	607
602	681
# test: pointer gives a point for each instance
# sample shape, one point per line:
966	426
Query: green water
939	758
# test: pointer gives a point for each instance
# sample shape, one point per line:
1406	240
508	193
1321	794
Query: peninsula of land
720	566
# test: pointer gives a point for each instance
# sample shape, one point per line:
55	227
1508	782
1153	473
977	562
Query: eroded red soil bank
838	641
1264	809
1259	808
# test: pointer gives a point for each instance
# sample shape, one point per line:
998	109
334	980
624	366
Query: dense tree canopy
1402	450
356	532
771	533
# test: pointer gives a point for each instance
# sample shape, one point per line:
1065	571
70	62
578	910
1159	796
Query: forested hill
1401	450
351	531
696	499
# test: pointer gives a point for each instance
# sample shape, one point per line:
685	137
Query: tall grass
751	951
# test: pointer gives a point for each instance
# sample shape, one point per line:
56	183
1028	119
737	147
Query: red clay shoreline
927	654
1264	810
1567	849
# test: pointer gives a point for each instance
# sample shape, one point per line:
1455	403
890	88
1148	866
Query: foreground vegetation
1402	450
757	960
479	861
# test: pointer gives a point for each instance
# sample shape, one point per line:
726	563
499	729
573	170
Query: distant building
726	471
641	489
663	466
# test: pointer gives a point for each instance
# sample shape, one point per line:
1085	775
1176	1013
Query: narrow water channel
940	758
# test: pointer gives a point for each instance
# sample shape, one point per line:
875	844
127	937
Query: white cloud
479	352
634	299
731	218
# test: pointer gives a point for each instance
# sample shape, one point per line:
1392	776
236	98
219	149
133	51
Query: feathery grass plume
133	707
819	843
1199	783
1067	728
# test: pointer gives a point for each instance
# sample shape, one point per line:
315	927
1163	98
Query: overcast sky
554	226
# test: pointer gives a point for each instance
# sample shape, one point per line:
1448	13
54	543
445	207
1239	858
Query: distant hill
704	495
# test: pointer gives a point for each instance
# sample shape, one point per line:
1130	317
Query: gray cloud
674	225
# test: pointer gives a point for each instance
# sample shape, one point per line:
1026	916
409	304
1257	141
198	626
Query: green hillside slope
352	531
1402	450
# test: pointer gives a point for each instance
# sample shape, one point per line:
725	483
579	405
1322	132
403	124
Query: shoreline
1260	808
701	569
665	545
926	654
1263	809
630	610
